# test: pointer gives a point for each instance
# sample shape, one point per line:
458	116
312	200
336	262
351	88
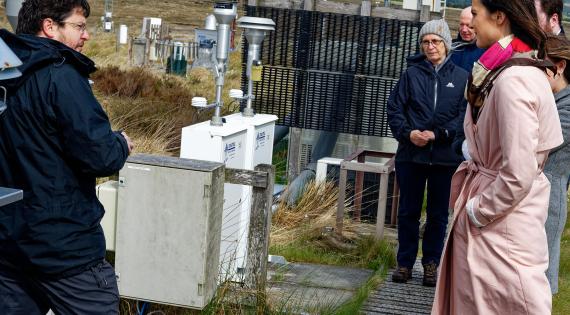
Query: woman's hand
430	135
419	138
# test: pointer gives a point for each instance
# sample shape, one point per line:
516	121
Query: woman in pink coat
496	254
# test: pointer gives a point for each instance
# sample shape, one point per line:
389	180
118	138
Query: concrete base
305	288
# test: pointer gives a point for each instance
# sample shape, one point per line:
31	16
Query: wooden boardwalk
400	298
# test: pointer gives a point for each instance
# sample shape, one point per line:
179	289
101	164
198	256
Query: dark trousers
412	178
93	291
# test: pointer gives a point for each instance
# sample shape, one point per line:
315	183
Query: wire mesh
331	72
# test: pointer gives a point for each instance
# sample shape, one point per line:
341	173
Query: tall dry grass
313	219
152	109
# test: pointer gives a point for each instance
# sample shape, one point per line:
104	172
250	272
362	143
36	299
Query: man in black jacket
55	139
464	50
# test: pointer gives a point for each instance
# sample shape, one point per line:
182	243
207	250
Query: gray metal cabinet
169	229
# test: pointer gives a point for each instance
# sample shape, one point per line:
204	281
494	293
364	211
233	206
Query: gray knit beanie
439	28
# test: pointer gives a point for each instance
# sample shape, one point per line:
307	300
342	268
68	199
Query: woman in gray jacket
557	167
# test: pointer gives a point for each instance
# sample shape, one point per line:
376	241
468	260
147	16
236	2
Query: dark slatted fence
329	71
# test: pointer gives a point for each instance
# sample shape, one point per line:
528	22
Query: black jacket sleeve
88	141
448	134
458	140
396	109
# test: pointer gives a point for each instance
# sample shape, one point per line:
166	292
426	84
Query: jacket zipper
435	97
434	108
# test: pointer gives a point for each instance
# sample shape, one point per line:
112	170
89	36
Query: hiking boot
430	274
401	274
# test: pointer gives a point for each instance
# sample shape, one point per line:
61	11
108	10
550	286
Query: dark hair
524	21
551	7
34	12
558	49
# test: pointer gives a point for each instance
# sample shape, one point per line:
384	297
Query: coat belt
464	174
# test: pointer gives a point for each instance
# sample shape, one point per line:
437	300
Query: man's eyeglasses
434	42
82	27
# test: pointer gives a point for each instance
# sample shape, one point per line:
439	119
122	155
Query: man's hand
419	138
129	142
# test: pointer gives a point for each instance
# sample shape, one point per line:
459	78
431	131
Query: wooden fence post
341	197
425	13
130	49
146	52
258	238
366	8
382	201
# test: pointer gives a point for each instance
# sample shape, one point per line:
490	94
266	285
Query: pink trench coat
499	268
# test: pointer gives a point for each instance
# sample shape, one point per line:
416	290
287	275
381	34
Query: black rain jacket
55	139
426	99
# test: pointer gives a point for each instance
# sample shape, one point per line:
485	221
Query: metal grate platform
401	298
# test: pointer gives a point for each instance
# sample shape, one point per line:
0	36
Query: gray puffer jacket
557	169
558	164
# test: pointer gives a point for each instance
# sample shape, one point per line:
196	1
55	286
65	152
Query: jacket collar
420	60
35	51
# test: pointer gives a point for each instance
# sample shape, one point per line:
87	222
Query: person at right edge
557	168
496	254
550	19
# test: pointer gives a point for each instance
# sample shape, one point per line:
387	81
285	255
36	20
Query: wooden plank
364	167
174	162
366	153
378	154
256	179
354	155
358	189
340	202
258	237
130	49
365	8
337	7
349	8
282	4
425	13
391	164
401	14
382	200
146	52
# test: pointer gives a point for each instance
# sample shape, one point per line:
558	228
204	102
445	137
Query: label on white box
260	139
